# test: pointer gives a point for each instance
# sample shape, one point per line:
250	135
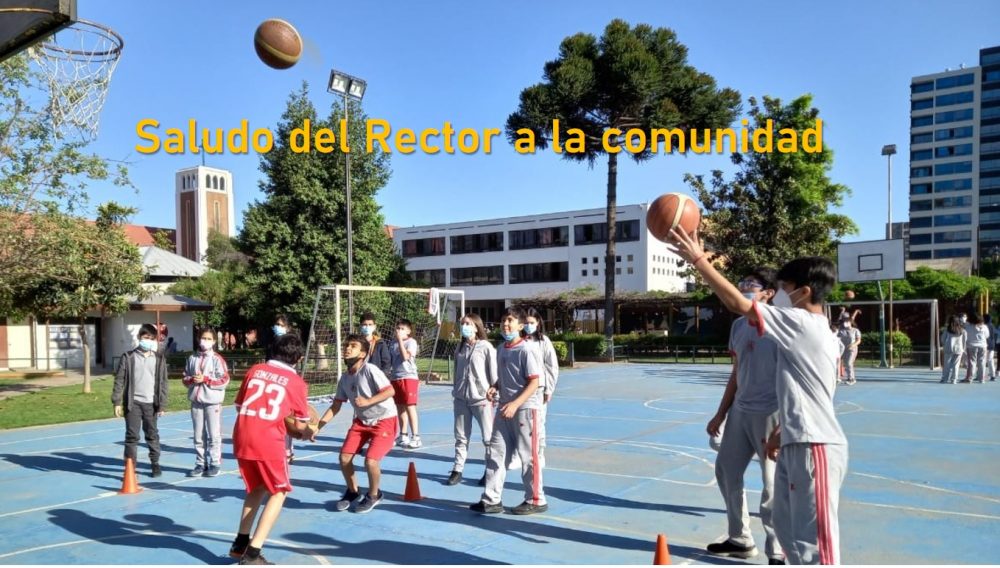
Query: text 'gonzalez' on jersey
270	392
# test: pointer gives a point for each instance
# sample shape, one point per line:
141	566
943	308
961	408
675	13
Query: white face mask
783	299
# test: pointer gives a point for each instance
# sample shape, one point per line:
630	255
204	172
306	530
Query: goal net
433	312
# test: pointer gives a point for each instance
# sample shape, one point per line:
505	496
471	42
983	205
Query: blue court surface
627	455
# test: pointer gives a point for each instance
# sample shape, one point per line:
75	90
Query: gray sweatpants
806	497
977	364
848	360
742	439
949	373
464	415
520	433
207	421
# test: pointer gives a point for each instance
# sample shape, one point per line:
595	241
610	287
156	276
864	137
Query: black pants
141	413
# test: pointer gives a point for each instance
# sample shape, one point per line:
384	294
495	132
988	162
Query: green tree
629	78
161	239
776	208
296	237
99	270
224	286
43	177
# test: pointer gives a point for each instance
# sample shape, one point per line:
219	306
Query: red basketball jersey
270	392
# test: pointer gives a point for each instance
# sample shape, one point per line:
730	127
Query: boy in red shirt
270	392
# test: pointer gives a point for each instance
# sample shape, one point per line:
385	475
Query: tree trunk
86	355
609	259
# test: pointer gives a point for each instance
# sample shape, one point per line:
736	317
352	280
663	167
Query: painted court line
930	487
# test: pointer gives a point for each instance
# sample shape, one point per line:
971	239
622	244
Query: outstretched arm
688	248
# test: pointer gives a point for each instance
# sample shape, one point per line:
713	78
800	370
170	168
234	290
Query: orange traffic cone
412	487
662	555
129	483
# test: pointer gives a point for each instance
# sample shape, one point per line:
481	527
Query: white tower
204	203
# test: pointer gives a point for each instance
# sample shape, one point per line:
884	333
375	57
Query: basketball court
628	458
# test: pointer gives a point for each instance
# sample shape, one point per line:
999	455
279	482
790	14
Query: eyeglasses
747	283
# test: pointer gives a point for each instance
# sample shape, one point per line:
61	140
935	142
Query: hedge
901	343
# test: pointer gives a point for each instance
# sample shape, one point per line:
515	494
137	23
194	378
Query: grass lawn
57	405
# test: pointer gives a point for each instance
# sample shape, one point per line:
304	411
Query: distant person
953	340
475	375
850	338
406	384
379	353
978	339
171	346
534	331
206	377
140	395
991	348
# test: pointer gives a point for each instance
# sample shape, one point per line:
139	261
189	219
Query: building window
593	272
918	121
954	81
539	272
952	185
482	242
920	239
920	188
924	87
953	133
946	202
629	258
953	99
208	181
922	205
949	151
953	168
920	254
922	138
630	270
917	155
596	233
953	237
217	216
423	247
539	238
432	277
477	276
921	222
618	271
595	260
953	219
953	253
922	104
618	258
222	184
924	171
584	272
953	116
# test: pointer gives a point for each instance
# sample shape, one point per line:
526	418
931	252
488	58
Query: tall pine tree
296	237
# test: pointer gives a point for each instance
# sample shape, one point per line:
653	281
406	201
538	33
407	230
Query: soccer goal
434	313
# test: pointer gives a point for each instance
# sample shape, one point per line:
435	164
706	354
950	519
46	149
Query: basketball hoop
78	63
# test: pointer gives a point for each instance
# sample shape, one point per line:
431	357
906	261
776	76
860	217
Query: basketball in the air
672	210
849	294
290	422
278	44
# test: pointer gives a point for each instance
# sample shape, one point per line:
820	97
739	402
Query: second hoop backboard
868	261
26	22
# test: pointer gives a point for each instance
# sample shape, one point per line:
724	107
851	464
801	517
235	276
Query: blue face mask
278	330
468	330
367	330
147	345
530	328
510	336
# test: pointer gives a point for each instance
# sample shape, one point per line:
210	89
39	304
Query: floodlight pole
350	231
887	151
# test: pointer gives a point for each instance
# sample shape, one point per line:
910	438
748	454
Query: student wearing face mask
850	338
808	443
206	377
406	383
378	350
475	375
533	331
749	409
140	395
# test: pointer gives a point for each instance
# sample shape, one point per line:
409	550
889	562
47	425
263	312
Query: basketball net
78	63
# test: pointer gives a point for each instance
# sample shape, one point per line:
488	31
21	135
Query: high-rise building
204	204
955	162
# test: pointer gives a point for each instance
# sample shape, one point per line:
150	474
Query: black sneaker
731	549
157	472
487	508
482	481
212	471
237	550
529	509
345	502
776	561
368	503
198	471
253	561
454	478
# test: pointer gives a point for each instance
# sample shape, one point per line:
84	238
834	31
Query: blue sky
466	62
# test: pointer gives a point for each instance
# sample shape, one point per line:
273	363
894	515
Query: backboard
26	22
868	261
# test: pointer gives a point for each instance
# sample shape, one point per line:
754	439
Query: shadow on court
385	551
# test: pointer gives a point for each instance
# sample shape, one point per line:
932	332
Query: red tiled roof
141	235
389	230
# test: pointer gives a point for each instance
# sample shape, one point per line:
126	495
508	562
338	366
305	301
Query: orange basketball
669	211
849	294
290	421
278	44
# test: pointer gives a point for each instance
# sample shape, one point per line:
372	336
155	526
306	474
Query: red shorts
407	391
272	474
382	436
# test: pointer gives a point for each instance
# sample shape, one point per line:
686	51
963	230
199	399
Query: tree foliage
296	237
632	77
224	286
777	206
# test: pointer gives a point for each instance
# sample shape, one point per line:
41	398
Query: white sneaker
414	443
515	462
403	441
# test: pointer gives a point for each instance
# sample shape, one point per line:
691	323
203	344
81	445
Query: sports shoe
156	472
776	561
345	502
529	509
403	440
731	549
487	508
414	443
368	503
454	478
237	550
198	471
254	561
212	471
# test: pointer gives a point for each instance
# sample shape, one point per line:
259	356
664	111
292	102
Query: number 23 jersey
270	392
